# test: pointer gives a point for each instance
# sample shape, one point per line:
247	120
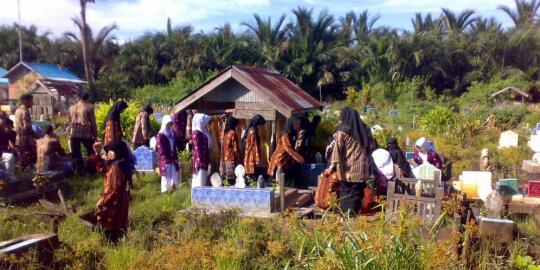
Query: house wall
3	93
20	82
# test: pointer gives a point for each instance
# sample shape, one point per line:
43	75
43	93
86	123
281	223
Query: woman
383	169
112	208
301	138
111	124
399	158
202	144
141	131
180	130
168	160
285	156
49	152
350	158
424	152
230	154
252	155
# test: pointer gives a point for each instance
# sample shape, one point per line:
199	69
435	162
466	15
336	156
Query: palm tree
525	13
269	37
457	23
85	44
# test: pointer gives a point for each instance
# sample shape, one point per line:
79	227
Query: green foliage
127	119
437	121
479	93
525	263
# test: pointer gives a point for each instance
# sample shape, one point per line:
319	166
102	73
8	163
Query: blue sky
134	17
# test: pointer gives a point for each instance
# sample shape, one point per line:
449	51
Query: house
3	87
54	88
512	94
243	92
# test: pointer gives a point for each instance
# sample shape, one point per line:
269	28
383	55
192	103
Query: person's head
484	153
148	109
297	123
422	145
116	150
291	126
200	121
122	105
27	100
84	96
392	143
166	123
49	130
231	124
257	121
9	123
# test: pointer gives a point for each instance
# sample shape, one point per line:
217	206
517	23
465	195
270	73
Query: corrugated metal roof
50	71
63	88
271	86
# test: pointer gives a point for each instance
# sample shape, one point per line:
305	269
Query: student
202	145
230	154
399	158
168	160
25	134
180	130
141	130
83	129
424	152
350	158
113	206
112	124
252	155
382	168
49	152
285	155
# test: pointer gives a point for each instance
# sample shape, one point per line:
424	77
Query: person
96	159
113	206
49	152
189	124
252	154
350	159
83	129
484	164
230	154
382	168
141	130
8	150
25	134
180	129
399	158
202	144
424	152
285	155
301	137
112	124
168	160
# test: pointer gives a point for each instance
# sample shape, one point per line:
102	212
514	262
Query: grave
256	202
508	139
508	187
534	188
158	116
144	159
496	229
394	113
310	174
476	184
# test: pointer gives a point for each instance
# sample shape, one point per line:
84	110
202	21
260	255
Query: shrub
437	121
479	92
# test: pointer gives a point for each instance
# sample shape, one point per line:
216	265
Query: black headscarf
312	127
123	156
399	157
115	111
231	124
289	128
148	109
352	125
257	120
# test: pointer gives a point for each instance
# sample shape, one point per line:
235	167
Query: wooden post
389	211
273	138
281	180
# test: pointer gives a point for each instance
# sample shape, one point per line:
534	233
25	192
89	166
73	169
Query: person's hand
327	172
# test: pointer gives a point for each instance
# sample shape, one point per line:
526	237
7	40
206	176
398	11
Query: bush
479	92
127	118
437	121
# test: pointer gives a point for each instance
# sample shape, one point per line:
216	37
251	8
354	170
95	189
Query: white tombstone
144	159
476	184
508	139
240	173
153	143
215	180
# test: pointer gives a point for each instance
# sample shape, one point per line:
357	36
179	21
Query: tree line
445	53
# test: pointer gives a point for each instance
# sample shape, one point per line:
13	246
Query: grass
161	237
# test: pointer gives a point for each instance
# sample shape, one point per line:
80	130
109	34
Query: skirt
351	194
199	178
170	178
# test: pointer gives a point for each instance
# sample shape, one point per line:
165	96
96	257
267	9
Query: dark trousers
76	155
351	194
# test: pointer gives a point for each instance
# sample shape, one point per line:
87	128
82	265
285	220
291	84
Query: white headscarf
200	123
384	163
423	143
163	130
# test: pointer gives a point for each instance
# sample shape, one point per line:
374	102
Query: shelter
246	91
511	93
3	86
54	87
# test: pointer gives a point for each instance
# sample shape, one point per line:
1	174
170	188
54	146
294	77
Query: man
25	134
141	131
50	152
82	122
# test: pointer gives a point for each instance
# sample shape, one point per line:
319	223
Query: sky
135	17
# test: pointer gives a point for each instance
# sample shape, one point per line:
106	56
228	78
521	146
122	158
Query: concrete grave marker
144	159
508	139
158	116
394	113
476	184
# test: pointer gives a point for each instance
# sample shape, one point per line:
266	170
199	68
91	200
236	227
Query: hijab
230	124
423	144
167	119
352	125
257	120
123	157
289	128
115	111
383	161
200	123
398	156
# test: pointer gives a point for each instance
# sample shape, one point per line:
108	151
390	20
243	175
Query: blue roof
50	71
2	71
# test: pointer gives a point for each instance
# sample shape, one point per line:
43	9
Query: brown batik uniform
252	156
141	131
113	206
113	131
349	158
49	152
82	121
284	156
25	136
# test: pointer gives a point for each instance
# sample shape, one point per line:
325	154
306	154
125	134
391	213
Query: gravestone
508	139
409	155
158	116
394	113
534	188
144	159
476	184
508	187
